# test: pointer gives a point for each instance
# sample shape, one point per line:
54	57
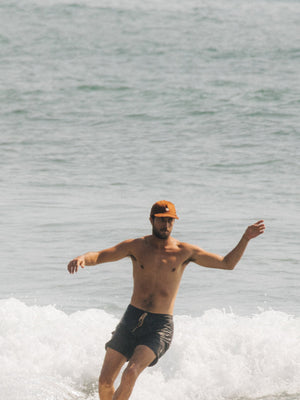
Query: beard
160	234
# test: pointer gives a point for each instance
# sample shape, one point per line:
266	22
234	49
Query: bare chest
158	263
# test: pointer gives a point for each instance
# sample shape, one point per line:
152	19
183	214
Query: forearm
87	259
115	253
234	256
91	258
210	260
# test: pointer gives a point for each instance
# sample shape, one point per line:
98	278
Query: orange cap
163	208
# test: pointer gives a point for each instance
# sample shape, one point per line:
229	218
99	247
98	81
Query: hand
74	264
255	230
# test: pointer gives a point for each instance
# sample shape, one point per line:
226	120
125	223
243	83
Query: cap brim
168	215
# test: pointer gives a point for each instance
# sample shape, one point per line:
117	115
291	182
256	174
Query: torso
157	274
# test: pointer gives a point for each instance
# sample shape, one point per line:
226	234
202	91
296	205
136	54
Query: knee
105	382
131	373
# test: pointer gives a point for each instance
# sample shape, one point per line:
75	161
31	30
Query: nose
167	222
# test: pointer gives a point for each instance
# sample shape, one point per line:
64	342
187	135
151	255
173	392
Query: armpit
186	262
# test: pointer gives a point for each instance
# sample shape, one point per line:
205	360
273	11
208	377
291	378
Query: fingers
74	265
260	226
255	230
261	221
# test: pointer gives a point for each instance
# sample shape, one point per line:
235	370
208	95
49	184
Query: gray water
107	107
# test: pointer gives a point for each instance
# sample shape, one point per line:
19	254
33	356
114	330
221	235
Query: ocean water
108	106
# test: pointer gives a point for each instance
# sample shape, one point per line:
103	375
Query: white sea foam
48	354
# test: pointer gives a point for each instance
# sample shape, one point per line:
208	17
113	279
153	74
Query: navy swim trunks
138	327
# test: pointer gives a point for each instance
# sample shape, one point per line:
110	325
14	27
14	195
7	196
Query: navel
142	266
174	269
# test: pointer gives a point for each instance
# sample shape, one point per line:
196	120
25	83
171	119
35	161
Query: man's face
162	227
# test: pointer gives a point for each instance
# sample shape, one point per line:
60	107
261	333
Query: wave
48	354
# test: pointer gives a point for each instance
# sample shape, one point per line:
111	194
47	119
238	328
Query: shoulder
130	242
186	246
126	248
133	243
190	250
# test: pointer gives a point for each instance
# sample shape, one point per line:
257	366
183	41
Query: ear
151	219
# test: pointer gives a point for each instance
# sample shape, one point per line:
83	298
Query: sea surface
109	106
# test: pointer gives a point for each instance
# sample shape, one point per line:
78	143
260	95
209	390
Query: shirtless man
146	329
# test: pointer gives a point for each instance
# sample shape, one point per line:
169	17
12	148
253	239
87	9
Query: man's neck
160	243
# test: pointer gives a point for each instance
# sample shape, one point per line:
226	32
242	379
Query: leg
112	365
141	358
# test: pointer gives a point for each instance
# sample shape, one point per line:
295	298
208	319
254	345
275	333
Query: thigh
157	335
113	362
122	341
142	357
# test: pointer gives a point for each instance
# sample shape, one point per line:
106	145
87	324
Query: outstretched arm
211	260
114	253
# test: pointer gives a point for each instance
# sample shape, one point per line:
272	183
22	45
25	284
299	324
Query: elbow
229	263
228	266
99	259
